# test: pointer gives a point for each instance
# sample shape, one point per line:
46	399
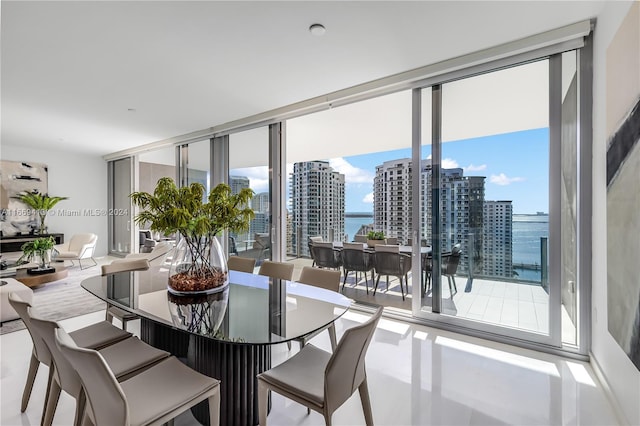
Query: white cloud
449	163
474	168
503	179
368	198
351	173
258	177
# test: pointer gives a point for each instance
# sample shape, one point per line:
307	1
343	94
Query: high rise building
392	199
237	183
497	259
461	204
260	223
260	202
317	198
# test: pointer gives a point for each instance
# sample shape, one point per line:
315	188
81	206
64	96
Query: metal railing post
544	267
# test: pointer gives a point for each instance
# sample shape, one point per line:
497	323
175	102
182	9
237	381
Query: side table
36	280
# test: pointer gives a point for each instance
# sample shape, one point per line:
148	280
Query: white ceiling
71	70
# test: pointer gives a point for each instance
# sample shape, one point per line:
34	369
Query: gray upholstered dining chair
323	278
94	336
242	264
152	397
356	259
125	359
389	261
280	270
320	380
124	265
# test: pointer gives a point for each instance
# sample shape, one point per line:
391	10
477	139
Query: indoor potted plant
198	264
39	250
375	237
41	204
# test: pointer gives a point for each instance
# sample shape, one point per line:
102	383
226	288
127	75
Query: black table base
234	364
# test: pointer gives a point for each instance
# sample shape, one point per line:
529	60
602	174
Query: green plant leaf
184	210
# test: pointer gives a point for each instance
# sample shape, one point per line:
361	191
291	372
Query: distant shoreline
365	214
358	214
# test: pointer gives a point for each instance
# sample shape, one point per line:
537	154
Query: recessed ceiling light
317	29
131	109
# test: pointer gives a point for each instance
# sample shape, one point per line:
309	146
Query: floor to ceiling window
198	163
474	173
120	180
249	168
152	166
493	199
349	172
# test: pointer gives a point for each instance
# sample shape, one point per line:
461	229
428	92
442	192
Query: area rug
62	299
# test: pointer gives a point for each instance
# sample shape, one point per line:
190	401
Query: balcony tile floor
510	304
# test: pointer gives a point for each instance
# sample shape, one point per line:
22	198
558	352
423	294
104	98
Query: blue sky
516	167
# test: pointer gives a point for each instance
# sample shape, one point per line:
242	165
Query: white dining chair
153	397
320	380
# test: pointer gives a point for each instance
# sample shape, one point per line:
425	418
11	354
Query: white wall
621	375
82	178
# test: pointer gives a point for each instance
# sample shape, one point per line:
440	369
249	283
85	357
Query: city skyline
523	182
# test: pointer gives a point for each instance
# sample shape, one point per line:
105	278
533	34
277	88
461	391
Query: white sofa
156	257
7	313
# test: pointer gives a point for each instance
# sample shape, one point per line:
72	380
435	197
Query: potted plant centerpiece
40	251
198	263
41	203
375	237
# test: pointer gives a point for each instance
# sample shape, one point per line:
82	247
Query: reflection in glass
202	314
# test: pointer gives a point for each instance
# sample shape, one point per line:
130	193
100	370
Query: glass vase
44	259
198	267
200	313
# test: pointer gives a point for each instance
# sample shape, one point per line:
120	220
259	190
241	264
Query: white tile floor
417	376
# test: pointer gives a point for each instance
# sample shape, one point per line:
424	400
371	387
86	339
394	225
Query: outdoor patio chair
425	276
360	238
310	243
356	259
326	256
389	261
450	262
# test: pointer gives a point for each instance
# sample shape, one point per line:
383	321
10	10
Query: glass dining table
227	335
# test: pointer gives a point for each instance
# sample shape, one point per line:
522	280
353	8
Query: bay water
527	230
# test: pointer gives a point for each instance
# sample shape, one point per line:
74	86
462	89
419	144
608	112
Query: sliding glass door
498	190
120	209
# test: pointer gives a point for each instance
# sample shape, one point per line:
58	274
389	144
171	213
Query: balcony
511	303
